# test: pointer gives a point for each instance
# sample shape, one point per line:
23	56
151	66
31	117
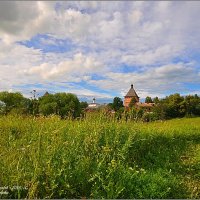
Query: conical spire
131	92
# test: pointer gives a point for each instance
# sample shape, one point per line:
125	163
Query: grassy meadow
47	157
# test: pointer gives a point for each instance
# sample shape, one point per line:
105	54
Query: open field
96	158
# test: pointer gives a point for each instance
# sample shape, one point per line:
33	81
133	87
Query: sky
99	48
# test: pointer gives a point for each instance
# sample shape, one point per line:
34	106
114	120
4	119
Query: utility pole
34	94
34	101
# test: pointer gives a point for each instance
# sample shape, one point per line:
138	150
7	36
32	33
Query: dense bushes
175	106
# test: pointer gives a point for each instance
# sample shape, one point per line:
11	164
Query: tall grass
98	158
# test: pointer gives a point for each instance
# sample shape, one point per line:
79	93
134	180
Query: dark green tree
148	100
156	100
62	104
174	106
48	105
117	103
83	105
68	104
192	104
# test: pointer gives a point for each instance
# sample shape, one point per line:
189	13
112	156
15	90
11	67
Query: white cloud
13	59
73	68
89	94
153	82
22	20
105	36
155	56
135	16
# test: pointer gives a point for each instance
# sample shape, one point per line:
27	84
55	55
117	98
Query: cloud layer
100	48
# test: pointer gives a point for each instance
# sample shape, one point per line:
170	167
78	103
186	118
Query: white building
93	105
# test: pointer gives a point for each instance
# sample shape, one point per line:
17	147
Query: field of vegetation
46	157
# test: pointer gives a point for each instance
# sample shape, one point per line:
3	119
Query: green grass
97	158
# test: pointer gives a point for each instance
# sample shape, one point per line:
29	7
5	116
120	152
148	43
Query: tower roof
131	92
46	93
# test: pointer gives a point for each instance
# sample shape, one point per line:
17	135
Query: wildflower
113	163
65	143
168	189
143	170
106	149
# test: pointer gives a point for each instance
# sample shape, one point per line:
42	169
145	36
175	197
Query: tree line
68	105
62	104
172	106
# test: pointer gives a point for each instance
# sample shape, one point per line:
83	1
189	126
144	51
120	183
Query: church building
131	94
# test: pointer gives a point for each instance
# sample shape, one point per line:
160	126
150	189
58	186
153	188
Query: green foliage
192	105
149	117
156	100
176	106
14	102
148	100
48	108
2	107
119	113
65	105
83	105
47	157
68	105
117	103
11	99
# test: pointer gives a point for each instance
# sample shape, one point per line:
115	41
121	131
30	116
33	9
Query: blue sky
98	49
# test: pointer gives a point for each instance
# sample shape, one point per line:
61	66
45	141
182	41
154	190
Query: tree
47	104
117	103
148	100
48	108
68	104
173	105
83	105
61	104
14	102
192	104
156	100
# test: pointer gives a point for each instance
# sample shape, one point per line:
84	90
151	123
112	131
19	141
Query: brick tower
131	94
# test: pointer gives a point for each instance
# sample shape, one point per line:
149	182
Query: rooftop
131	92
